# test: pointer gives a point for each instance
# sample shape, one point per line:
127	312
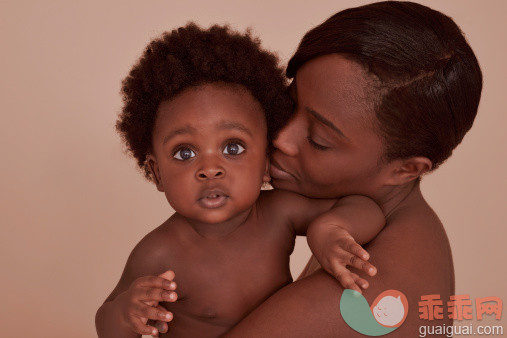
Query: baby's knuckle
342	242
143	330
137	282
350	246
136	327
148	293
130	308
341	261
146	311
349	283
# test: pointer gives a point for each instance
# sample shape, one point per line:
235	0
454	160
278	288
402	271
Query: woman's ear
407	170
155	172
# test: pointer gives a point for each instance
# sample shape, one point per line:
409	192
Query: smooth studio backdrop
73	205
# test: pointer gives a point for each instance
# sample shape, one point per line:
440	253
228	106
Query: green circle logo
387	312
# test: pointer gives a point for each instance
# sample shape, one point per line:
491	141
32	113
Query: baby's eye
233	149
184	154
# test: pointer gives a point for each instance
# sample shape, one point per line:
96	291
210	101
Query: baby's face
210	152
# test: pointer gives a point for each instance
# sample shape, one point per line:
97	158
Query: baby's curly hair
191	56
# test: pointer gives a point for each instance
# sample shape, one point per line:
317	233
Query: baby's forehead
213	106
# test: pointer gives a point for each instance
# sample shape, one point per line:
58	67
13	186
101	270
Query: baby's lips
213	192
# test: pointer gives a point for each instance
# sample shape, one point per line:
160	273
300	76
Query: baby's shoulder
279	200
155	250
290	205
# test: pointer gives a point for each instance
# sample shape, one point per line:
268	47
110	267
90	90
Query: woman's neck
397	196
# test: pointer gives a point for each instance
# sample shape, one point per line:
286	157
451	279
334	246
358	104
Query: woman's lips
278	173
213	199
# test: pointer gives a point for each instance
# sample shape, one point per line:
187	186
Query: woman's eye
233	149
315	144
184	154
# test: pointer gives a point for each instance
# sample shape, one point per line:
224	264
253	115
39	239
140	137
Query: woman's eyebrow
185	130
228	125
325	121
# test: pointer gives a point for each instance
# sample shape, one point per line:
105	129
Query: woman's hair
190	56
425	79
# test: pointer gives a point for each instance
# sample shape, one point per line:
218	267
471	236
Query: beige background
73	205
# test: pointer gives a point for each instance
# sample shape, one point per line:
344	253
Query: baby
201	108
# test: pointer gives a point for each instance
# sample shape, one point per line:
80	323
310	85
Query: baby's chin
215	218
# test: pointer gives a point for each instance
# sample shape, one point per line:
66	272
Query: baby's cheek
179	201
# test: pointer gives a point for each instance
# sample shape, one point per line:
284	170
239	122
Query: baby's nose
210	173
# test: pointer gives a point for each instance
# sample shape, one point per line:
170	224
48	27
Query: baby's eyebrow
185	130
228	125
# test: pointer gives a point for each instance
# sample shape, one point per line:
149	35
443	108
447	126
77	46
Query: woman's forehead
336	88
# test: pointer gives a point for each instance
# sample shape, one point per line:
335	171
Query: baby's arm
333	228
136	296
333	238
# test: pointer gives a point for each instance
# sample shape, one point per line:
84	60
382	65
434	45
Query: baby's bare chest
221	284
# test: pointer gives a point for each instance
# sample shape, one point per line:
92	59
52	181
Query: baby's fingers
168	275
351	246
148	295
363	283
360	264
161	326
155	282
145	312
347	279
137	325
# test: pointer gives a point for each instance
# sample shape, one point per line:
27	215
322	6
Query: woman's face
330	147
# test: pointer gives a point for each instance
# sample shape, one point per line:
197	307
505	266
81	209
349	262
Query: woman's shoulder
417	223
414	246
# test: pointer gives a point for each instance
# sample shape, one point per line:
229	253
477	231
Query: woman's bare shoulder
415	231
412	255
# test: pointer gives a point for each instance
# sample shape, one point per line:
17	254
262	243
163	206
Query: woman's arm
411	256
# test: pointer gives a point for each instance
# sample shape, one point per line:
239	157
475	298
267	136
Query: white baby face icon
389	311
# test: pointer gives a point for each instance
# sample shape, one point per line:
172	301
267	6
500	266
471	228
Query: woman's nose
288	138
210	172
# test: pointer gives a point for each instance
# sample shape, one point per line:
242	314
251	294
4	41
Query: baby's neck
216	231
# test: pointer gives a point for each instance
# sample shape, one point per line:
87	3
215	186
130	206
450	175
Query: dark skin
420	264
228	244
412	252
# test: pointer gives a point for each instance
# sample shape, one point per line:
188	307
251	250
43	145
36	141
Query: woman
384	93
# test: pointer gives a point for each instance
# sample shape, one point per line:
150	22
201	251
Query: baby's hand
340	250
140	302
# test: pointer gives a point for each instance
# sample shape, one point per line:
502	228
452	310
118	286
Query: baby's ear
266	178
155	172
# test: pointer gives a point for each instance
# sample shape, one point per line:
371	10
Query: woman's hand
140	302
